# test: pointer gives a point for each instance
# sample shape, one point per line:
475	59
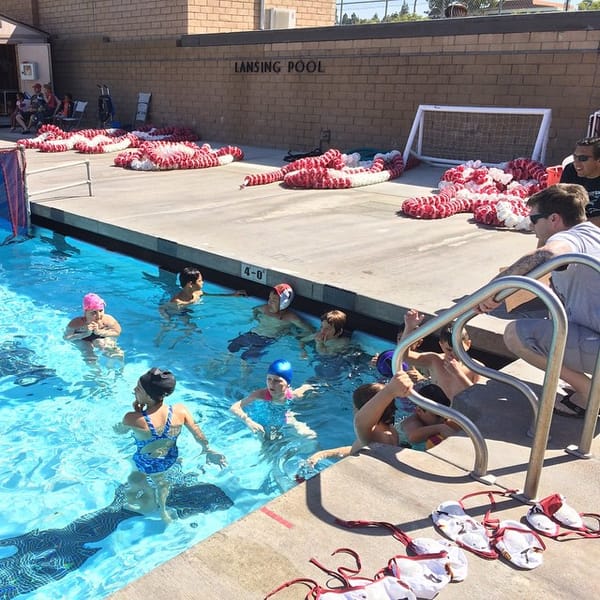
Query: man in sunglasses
558	219
585	171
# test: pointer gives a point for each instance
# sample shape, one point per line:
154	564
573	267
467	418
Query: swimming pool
63	532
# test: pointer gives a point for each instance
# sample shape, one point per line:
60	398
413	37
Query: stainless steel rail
499	288
87	181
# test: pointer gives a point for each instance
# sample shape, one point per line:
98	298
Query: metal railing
87	181
542	411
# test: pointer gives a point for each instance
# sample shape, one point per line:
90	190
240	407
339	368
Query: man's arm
526	264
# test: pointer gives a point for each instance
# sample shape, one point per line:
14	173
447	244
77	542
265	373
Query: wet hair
363	393
565	199
434	392
446	334
337	318
157	383
189	275
594	142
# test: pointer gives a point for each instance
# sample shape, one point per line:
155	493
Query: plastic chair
69	123
142	108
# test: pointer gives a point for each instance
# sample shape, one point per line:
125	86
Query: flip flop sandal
519	545
451	519
547	516
425	575
576	412
455	560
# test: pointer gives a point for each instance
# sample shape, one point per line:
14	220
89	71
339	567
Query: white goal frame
416	133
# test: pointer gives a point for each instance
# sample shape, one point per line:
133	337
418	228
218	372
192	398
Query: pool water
64	533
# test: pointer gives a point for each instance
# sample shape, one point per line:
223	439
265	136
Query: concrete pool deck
345	248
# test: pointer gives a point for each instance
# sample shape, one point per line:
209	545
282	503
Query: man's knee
511	339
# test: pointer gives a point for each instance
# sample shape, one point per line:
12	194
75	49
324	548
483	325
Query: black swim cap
158	383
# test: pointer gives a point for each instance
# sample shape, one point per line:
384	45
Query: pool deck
345	248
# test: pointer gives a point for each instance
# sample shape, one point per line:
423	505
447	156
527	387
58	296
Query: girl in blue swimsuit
155	427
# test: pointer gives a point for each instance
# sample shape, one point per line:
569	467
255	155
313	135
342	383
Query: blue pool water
64	533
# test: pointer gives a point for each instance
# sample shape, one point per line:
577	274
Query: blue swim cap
384	363
282	368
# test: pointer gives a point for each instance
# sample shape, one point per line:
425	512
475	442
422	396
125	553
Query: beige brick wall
131	19
19	10
365	91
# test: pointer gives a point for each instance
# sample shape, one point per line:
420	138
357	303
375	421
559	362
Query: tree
475	7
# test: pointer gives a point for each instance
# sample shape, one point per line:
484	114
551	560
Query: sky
365	9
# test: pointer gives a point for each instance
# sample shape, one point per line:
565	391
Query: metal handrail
87	181
557	347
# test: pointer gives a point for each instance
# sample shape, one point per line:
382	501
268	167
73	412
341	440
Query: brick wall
367	84
19	10
130	19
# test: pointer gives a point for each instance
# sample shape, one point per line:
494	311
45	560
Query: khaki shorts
581	350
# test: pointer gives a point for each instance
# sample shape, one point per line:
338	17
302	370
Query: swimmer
277	393
192	283
95	326
383	361
275	319
331	338
155	427
444	369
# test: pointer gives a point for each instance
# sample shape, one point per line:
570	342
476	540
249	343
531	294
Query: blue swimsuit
145	461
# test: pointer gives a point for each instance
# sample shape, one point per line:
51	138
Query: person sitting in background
65	108
36	104
278	393
585	171
21	106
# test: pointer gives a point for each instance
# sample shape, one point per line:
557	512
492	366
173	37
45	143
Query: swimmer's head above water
157	383
285	293
93	302
281	368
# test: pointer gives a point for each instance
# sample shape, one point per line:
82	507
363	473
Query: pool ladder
542	410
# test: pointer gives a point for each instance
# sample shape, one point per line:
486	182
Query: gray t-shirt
578	286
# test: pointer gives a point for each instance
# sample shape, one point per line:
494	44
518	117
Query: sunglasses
535	218
581	157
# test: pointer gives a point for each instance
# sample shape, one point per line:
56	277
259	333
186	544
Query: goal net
452	135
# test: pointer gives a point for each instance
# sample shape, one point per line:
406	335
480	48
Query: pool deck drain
344	248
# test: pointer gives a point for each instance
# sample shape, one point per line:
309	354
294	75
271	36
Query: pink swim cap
93	302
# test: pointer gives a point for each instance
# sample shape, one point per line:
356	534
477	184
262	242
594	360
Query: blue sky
367	9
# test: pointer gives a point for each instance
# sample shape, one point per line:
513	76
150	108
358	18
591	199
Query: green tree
475	7
404	10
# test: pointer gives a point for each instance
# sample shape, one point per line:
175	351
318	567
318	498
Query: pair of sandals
551	515
517	543
432	565
514	541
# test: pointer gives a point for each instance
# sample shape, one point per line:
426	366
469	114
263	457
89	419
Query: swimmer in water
95	326
155	427
192	283
277	393
275	319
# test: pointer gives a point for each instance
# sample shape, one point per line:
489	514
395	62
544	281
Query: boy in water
275	319
192	283
331	338
444	369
